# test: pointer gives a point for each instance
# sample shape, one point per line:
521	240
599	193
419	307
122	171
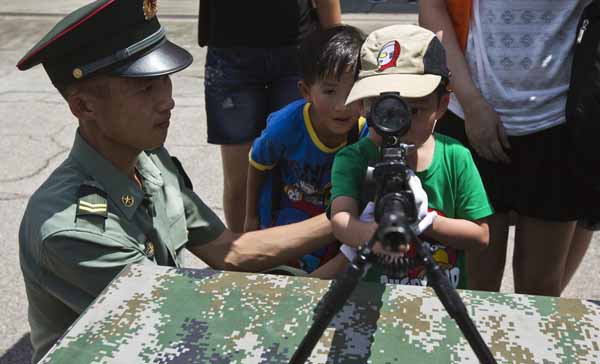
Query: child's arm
345	222
331	269
266	152
255	180
459	233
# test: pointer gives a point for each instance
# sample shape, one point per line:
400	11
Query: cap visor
407	85
163	59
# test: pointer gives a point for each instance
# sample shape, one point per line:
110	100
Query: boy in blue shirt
289	176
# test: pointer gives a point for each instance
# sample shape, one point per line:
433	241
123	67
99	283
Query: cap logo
388	55
150	9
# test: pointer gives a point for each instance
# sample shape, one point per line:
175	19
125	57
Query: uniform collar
124	193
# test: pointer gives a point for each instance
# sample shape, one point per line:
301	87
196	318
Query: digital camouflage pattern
152	314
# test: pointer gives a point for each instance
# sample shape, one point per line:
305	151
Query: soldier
119	198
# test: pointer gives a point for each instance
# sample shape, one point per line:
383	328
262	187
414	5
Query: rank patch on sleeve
92	201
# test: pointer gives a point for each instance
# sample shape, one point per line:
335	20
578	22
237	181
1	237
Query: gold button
127	200
149	249
77	73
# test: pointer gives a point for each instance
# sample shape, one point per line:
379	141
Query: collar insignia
150	9
127	200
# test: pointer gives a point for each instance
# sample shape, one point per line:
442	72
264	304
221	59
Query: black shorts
242	86
539	182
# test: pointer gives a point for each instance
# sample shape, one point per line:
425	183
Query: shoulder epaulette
92	200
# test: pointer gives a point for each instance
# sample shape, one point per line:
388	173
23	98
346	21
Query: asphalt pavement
37	129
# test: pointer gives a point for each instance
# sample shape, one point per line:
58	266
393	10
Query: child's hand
424	223
251	223
421	200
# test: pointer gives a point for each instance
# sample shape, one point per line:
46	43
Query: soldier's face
136	112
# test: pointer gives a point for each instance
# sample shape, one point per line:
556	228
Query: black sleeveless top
260	23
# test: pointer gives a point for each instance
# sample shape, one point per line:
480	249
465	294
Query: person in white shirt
510	85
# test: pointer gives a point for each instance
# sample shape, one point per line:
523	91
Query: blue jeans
242	86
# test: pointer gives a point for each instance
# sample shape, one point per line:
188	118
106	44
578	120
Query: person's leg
579	246
236	109
485	267
547	206
589	195
541	249
234	159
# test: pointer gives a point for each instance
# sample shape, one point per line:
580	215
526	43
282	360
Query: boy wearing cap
289	174
119	198
449	194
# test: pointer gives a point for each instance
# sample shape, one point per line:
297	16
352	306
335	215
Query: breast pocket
173	204
178	233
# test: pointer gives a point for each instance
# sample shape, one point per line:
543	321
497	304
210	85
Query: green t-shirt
454	190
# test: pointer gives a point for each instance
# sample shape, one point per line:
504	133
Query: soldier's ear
87	97
81	106
83	101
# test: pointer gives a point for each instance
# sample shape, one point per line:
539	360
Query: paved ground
36	131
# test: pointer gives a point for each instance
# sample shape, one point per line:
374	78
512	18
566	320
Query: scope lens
391	114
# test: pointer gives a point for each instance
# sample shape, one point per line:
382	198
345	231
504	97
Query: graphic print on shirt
447	259
308	187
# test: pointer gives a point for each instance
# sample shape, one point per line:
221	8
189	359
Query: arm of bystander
483	126
329	12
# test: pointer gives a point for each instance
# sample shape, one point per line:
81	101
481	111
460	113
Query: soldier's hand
485	131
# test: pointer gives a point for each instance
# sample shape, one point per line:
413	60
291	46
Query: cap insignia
388	55
127	200
150	9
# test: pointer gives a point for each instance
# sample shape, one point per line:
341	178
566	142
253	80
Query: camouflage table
162	315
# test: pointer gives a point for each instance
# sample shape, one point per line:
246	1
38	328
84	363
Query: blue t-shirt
303	162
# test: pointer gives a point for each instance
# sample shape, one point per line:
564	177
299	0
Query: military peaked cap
120	37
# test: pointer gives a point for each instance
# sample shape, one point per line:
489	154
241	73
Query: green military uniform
88	221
